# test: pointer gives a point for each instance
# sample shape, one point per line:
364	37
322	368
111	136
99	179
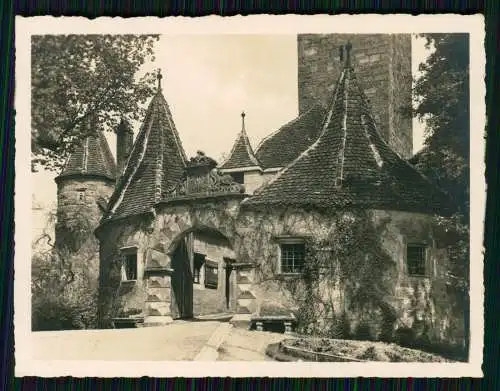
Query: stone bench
127	323
261	320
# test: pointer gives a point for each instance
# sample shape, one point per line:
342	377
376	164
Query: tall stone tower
85	183
383	63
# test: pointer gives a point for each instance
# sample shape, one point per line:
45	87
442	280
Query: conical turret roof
156	163
91	157
350	165
242	155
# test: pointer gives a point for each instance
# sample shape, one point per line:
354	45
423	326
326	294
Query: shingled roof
91	157
350	165
288	142
241	155
156	163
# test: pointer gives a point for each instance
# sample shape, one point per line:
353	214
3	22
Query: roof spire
159	77
243	120
348	48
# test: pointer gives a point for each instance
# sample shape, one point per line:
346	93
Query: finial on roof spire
243	120
348	48
159	77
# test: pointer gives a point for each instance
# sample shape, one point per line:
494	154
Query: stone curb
209	352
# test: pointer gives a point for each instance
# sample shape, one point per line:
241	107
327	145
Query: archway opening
203	282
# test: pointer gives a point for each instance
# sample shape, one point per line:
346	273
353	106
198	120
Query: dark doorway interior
229	269
182	280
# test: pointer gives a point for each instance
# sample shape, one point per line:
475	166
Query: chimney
124	142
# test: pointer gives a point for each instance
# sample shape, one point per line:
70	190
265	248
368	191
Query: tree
442	101
64	279
77	77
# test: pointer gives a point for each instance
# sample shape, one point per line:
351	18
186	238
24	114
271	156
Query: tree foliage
64	280
442	102
77	77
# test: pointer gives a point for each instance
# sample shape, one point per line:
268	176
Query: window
129	266
80	194
238	177
211	275
199	259
292	257
416	259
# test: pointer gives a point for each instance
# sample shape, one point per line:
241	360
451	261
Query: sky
209	80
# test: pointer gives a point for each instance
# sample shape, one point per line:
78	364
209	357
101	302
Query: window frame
211	265
236	177
81	195
197	271
290	240
426	261
125	253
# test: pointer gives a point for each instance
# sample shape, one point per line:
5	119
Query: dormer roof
242	155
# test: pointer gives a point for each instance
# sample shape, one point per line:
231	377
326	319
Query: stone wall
209	300
422	304
156	238
77	205
382	64
252	181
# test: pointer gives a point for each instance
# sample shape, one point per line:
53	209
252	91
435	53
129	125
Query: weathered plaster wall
162	234
383	65
77	215
421	303
252	180
208	300
77	199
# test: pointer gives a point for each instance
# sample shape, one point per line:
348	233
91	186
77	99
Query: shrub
339	327
364	332
62	297
405	336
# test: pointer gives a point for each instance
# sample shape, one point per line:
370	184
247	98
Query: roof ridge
171	123
341	157
135	168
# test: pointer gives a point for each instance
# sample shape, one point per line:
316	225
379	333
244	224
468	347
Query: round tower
83	188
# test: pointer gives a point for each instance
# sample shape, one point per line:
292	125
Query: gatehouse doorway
202	282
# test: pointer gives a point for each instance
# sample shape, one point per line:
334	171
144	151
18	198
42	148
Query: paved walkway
181	340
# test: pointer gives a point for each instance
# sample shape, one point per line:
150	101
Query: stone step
154	321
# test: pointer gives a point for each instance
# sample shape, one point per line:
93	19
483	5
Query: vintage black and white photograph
250	196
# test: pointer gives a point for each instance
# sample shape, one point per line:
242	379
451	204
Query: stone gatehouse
184	238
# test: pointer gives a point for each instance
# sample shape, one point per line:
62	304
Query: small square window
416	259
129	266
292	257
238	177
80	195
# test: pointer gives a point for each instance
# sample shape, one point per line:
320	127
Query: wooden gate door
182	279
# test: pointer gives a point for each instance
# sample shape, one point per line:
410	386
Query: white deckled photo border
257	24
